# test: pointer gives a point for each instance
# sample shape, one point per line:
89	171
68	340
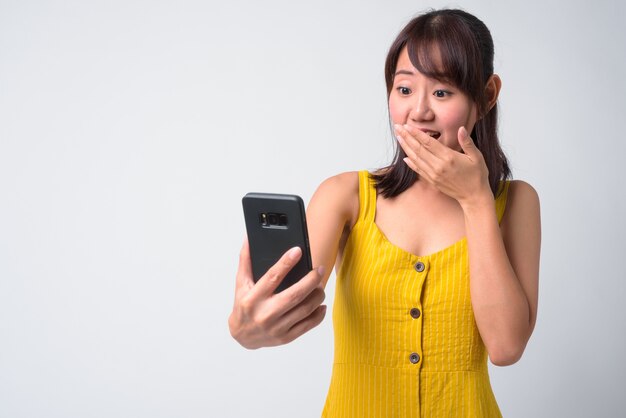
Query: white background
130	130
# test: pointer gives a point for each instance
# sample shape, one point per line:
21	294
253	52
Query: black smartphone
275	223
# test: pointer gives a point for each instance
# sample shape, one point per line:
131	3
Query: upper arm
333	208
521	233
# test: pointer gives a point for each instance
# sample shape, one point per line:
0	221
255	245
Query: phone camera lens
282	220
273	218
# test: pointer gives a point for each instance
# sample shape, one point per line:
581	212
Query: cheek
396	112
462	116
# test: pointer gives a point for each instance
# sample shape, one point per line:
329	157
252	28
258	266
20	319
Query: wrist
478	201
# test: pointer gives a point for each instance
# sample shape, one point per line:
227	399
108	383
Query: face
432	106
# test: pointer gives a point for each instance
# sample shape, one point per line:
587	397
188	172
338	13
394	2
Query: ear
492	90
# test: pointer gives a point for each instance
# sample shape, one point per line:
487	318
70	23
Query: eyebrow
405	72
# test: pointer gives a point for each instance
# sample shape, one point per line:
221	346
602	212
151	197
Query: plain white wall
130	130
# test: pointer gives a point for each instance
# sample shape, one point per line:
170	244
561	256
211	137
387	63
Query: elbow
507	348
506	356
504	360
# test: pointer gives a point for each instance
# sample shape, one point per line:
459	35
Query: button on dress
406	342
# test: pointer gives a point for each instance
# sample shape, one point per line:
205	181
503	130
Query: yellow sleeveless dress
406	343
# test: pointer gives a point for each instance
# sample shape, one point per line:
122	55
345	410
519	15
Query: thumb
466	142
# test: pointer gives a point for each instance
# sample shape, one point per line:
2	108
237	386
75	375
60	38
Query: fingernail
324	308
400	140
397	127
294	253
321	270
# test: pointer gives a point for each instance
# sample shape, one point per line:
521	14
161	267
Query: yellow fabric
375	333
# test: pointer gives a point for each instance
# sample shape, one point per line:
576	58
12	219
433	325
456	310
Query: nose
421	110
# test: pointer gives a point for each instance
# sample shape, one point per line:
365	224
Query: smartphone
275	223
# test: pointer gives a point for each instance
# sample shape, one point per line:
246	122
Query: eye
441	93
404	91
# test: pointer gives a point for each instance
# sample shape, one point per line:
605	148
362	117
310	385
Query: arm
504	269
261	318
333	210
504	262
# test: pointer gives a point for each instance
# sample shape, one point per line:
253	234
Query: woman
437	255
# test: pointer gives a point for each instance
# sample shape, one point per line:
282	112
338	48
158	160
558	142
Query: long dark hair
466	49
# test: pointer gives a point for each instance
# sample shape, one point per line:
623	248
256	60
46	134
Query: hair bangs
444	49
427	57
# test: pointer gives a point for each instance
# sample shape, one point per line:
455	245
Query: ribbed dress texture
406	342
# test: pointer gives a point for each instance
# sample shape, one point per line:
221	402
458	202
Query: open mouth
435	135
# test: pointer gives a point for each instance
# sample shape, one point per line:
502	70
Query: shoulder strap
502	198
367	197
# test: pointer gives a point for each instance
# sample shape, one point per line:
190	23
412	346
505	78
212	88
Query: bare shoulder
522	187
339	194
522	208
522	196
343	183
331	214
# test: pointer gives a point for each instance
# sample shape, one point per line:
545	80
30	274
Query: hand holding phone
262	318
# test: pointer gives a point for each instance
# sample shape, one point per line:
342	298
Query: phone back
275	223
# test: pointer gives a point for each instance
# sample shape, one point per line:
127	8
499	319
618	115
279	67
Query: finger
423	171
422	156
421	161
410	152
435	156
266	285
466	142
306	324
411	165
414	160
410	145
295	294
429	144
244	271
302	310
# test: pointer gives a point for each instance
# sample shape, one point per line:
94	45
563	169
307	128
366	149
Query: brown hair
466	49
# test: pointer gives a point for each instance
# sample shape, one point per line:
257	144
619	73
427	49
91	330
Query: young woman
437	255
